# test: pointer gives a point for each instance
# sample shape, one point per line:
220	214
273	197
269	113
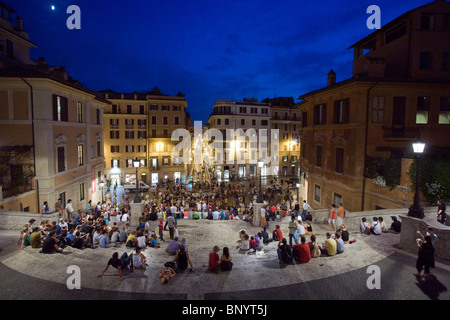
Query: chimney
41	62
331	78
19	24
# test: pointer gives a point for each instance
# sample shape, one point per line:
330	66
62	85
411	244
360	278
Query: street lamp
415	210
260	196
136	164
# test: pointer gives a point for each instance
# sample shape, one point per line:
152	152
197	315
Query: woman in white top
139	260
142	243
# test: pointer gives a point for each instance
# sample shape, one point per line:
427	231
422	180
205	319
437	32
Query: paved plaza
28	274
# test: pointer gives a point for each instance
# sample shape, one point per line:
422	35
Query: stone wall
14	220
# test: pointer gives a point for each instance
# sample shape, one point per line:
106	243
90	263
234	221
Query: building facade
140	126
50	128
399	92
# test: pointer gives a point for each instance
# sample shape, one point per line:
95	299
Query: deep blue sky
207	49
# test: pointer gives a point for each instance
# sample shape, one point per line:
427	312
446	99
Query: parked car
132	186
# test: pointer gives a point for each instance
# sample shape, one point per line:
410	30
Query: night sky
206	49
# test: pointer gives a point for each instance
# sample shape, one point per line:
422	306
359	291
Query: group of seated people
305	251
378	226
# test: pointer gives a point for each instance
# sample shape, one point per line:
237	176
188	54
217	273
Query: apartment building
399	92
140	126
50	128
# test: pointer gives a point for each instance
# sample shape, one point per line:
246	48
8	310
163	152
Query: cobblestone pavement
27	274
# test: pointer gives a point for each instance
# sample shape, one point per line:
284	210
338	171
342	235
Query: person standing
263	216
171	224
69	209
306	208
425	257
340	215
332	218
441	215
293	228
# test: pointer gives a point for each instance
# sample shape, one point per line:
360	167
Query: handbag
176	234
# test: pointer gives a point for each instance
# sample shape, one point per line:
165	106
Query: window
446	23
153	119
115	163
142	123
446	61
99	148
285	158
320	113
253	122
81	191
318	156
316	193
9	48
264	122
242	122
97	113
154	107
114	123
113	134
341	111
130	163
142	148
60	109
426	22
444	110
166	161
254	110
175	108
79	112
61	152
265	111
129	149
177	120
165	121
423	106
227	122
115	149
114	109
129	109
141	109
153	133
165	108
219	122
378	110
129	134
165	133
142	134
242	110
339	165
80	154
426	61
129	123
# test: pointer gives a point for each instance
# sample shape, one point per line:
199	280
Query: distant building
400	91
271	128
50	129
140	125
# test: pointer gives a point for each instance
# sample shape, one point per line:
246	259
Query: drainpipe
366	134
33	137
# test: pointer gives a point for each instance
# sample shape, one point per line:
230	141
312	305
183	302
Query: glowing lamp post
136	164
416	210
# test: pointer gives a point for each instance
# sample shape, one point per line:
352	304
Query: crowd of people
98	226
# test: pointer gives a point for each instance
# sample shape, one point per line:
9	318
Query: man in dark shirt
117	263
396	225
50	244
